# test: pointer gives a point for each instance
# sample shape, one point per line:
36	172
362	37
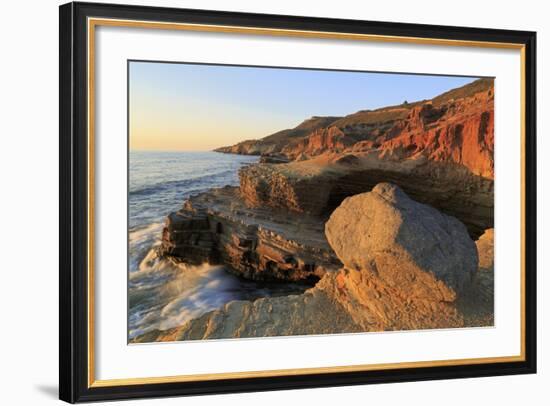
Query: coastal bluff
454	127
404	266
439	151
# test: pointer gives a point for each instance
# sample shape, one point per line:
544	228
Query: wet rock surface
255	243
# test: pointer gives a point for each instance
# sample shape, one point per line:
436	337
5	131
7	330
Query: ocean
162	295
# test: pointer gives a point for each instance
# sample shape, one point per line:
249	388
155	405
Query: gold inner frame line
94	22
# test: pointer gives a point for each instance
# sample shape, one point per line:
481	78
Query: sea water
162	295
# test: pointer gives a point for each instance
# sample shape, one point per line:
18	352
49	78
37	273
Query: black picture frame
73	284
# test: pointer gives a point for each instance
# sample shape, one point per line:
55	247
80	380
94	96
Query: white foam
164	295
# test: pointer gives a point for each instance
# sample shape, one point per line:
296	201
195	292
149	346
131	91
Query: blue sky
200	107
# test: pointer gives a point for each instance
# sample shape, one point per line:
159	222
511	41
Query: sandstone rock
460	132
318	142
274	143
456	127
485	277
348	301
248	147
438	151
348	160
314	312
477	304
408	245
269	185
255	243
317	186
273	159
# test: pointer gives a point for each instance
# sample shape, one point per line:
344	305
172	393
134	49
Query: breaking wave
161	293
188	185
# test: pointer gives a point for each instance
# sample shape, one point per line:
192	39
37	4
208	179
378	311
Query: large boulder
408	245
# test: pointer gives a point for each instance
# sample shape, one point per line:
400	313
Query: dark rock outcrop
274	159
255	243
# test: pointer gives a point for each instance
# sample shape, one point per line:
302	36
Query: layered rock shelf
256	243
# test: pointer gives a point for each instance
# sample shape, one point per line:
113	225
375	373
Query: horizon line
170	150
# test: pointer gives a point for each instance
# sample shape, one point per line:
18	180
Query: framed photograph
256	202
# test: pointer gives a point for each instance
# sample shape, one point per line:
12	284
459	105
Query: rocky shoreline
253	242
377	212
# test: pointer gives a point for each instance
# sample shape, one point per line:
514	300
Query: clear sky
201	107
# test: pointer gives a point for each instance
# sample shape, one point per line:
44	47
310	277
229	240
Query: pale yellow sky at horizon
188	107
182	142
191	132
164	122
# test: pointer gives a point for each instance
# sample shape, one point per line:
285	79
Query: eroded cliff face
439	151
406	266
458	131
317	186
454	127
256	243
318	142
275	143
